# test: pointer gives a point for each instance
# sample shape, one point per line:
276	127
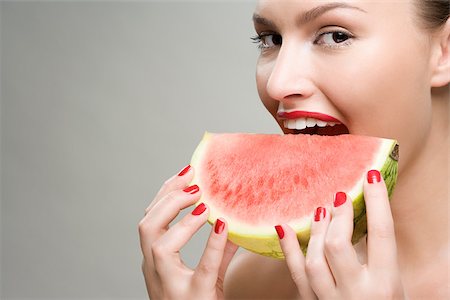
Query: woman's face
365	64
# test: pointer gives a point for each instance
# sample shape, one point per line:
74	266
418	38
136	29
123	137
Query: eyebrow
309	15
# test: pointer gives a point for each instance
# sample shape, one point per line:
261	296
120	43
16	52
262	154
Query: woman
383	69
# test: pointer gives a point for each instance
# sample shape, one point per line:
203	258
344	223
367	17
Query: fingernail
199	209
220	225
373	176
192	189
320	214
185	170
280	231
339	199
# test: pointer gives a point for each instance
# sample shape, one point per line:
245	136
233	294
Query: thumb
216	257
229	252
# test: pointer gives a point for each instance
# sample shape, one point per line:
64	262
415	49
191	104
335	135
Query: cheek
384	93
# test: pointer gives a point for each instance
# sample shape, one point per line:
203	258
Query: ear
441	57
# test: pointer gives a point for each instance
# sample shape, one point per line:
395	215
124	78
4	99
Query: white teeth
302	123
310	122
321	123
291	124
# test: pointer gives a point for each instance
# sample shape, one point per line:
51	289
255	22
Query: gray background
100	103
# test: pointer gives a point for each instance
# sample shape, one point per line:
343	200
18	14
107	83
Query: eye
334	39
267	40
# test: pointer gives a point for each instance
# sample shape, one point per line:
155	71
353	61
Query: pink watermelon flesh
259	181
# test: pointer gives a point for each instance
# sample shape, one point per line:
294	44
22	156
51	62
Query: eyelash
258	39
345	43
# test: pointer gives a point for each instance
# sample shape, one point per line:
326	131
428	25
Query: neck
420	200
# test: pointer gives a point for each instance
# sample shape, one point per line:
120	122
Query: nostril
294	97
286	86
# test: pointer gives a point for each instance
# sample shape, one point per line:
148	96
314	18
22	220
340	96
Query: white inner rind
303	224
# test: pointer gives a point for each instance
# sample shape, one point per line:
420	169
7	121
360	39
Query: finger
381	245
339	251
295	260
230	251
150	276
207	271
166	249
156	222
316	265
176	182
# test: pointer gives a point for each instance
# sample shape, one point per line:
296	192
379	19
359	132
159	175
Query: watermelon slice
256	181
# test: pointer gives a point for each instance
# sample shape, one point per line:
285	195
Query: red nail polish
199	209
185	170
320	214
220	225
280	231
339	199
373	176
192	189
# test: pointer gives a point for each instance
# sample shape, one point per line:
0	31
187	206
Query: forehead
396	13
369	5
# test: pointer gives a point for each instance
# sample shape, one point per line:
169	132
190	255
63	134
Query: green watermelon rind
389	171
267	244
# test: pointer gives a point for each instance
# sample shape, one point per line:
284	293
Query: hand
166	276
331	269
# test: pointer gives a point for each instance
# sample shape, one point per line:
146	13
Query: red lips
307	114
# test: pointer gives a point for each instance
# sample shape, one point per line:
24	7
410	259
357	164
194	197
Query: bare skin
421	225
422	250
381	75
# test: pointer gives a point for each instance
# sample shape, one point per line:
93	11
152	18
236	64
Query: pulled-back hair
433	13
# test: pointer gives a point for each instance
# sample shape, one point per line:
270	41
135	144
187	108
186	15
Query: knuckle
220	284
167	183
190	223
170	197
205	269
334	245
143	228
297	276
146	228
158	250
185	223
381	232
215	247
312	265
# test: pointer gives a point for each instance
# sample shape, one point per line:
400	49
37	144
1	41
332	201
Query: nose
290	76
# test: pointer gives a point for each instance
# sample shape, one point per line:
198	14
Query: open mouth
313	126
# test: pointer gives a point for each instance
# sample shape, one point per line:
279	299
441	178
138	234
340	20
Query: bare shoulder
252	276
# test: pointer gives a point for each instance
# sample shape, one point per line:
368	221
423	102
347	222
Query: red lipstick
306	114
